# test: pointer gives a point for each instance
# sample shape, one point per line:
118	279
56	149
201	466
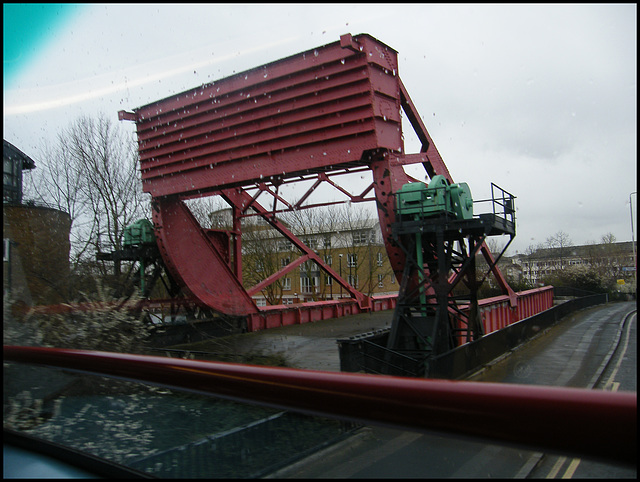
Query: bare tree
261	257
202	209
559	245
496	245
58	183
92	174
316	228
533	248
608	239
606	256
107	160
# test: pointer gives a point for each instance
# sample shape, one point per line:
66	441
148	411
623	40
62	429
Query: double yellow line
568	473
612	386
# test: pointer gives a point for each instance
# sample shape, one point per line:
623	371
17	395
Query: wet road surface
573	353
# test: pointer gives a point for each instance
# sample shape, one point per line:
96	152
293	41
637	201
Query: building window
380	259
352	260
308	284
6	246
286	284
308	267
285	261
14	164
328	259
380	281
328	281
361	237
311	242
353	281
327	242
11	188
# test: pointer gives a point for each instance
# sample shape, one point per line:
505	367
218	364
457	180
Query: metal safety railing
503	203
563	420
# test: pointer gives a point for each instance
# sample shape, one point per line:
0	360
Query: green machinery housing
138	245
418	201
139	237
139	233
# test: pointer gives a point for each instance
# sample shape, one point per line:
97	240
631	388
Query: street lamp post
331	288
633	244
330	278
340	256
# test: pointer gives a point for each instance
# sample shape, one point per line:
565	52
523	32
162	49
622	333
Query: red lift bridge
314	116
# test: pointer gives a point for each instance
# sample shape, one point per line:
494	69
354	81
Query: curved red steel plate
193	259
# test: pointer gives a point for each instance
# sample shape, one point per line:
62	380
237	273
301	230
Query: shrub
102	324
581	277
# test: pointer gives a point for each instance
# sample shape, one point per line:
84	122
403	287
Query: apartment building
613	260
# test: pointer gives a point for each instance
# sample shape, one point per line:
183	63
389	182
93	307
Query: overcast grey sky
540	99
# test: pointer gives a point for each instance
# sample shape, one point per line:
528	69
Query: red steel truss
313	116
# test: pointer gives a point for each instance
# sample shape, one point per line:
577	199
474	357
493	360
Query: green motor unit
139	233
417	200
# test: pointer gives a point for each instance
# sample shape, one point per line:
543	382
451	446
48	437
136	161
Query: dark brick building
35	239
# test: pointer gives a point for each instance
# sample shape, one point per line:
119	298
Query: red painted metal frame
586	423
498	312
312	116
298	313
